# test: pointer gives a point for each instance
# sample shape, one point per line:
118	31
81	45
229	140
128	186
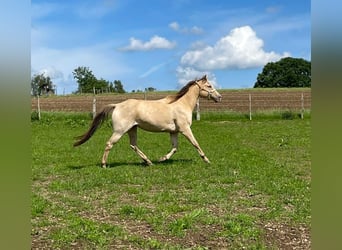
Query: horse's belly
166	127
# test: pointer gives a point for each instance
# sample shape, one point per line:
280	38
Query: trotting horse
171	114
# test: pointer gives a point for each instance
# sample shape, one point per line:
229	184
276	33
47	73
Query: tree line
86	80
286	73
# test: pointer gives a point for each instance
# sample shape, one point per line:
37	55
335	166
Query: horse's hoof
104	166
163	158
206	160
148	162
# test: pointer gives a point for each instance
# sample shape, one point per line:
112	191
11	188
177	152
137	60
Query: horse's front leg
174	143
188	134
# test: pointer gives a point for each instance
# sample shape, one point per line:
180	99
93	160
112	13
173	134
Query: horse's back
151	115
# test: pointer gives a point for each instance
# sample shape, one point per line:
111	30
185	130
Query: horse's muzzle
217	98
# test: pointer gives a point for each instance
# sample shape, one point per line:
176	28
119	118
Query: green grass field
254	195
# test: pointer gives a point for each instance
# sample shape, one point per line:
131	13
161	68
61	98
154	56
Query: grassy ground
254	195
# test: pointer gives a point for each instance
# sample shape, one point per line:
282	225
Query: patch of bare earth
287	237
203	235
275	235
38	241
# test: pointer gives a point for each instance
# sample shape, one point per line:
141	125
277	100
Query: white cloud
186	74
174	26
156	42
241	49
193	30
196	30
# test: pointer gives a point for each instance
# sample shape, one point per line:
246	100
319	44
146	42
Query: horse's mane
183	90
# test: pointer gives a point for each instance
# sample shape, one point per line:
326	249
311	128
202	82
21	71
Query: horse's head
207	89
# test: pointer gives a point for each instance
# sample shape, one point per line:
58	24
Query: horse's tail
98	120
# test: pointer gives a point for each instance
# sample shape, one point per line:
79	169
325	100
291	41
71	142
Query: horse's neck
190	98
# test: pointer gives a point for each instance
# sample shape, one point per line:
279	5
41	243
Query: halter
209	91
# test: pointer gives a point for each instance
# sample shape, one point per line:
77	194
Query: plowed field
232	100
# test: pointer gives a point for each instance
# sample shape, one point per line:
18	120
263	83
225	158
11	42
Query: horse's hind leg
112	140
174	143
133	143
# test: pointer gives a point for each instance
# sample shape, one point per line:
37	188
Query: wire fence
248	102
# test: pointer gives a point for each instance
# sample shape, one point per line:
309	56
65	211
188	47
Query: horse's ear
204	77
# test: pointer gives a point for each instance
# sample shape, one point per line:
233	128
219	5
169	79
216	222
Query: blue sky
165	44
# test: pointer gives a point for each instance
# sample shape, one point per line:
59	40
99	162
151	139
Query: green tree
111	87
150	89
87	82
287	72
118	87
102	85
136	91
85	79
41	84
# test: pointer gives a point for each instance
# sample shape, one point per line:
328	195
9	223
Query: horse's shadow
136	164
109	165
121	164
174	161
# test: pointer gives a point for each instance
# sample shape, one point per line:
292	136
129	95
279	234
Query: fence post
198	115
94	104
250	107
302	111
38	106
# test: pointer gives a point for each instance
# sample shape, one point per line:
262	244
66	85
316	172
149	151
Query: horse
172	114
